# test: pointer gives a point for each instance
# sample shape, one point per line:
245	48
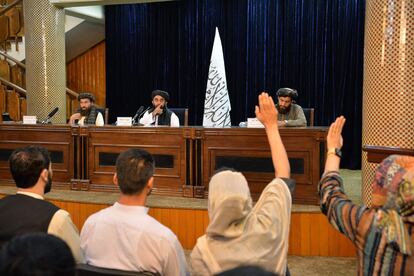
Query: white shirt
61	225
148	120
127	238
99	120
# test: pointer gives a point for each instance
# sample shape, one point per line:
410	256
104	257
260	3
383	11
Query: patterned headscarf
393	192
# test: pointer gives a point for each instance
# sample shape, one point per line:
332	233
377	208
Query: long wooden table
186	157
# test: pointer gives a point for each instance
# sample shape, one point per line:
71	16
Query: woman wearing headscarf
238	233
383	234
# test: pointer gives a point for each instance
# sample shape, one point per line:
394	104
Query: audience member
27	211
238	233
124	236
383	234
36	254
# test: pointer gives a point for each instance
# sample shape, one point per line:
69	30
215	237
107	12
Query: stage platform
310	232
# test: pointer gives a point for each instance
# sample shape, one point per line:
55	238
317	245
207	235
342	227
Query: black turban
287	92
161	93
89	96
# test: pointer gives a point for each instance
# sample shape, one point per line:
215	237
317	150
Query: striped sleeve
341	212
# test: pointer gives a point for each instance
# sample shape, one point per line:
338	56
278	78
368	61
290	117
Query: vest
165	118
20	214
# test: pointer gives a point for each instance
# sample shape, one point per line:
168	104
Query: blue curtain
313	46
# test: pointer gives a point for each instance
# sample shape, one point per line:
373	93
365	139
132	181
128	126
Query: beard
48	185
85	112
283	110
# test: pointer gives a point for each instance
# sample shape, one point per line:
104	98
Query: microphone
143	112
51	114
137	114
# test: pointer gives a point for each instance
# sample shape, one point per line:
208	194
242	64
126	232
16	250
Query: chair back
182	114
89	270
309	114
105	113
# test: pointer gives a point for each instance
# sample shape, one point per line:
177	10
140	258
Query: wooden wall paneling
87	73
18	75
13	105
2	101
305	237
321	238
323	234
23	107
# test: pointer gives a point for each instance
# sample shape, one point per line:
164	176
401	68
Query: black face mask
48	185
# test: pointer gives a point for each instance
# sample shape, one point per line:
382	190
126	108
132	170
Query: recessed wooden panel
57	139
167	145
248	151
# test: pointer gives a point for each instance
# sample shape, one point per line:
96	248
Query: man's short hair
36	254
161	93
134	168
86	95
287	92
27	163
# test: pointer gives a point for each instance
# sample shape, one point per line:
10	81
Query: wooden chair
105	113
182	114
309	114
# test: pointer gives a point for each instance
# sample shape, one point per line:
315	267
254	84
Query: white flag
217	103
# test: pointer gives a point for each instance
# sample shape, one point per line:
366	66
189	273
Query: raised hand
334	137
158	110
266	112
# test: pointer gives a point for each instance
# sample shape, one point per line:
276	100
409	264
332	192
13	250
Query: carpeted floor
315	266
352	184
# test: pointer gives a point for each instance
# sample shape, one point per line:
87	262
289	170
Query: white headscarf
229	203
239	233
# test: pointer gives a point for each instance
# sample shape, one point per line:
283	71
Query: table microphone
51	114
143	112
137	114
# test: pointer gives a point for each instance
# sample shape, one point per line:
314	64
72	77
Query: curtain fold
313	46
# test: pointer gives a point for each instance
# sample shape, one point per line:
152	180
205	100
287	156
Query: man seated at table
159	114
87	114
290	113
